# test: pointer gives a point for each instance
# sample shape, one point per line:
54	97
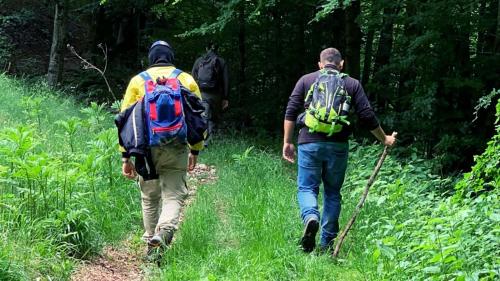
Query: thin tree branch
105	53
88	65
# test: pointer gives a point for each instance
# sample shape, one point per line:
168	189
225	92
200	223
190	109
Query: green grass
61	193
246	226
62	198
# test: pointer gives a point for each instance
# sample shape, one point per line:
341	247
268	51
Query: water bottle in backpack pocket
164	112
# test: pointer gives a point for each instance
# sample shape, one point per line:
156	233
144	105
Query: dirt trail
124	263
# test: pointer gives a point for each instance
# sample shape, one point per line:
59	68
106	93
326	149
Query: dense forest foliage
430	69
424	64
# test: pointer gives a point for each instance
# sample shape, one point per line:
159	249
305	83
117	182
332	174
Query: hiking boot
308	240
162	238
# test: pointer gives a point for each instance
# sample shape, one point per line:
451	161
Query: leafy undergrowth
61	198
61	194
247	226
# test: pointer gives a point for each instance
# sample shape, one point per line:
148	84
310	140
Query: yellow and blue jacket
136	90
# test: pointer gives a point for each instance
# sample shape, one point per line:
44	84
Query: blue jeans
322	162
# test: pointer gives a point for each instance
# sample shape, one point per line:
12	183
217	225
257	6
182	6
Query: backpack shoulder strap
148	82
175	73
145	76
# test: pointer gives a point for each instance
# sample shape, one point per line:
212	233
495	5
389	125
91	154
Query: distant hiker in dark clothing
211	73
326	97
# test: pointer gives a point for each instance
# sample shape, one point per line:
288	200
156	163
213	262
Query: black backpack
208	72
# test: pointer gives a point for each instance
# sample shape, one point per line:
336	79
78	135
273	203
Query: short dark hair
330	55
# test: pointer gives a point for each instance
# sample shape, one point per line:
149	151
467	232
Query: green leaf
450	259
436	258
381	200
495	217
376	254
432	269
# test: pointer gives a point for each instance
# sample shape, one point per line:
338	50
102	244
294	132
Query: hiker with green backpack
327	96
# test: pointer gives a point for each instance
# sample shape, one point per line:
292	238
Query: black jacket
131	128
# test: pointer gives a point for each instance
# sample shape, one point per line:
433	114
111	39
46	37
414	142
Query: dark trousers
213	110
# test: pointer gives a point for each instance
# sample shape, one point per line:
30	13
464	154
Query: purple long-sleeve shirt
362	107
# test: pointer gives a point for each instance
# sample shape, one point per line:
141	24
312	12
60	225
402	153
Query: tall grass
62	198
247	226
61	195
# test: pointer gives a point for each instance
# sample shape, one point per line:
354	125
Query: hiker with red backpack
161	126
325	98
211	73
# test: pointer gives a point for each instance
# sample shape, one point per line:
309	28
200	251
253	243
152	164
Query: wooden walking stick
360	204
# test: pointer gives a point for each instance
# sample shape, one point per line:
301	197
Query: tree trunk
123	32
497	34
353	39
278	57
98	23
336	27
491	27
301	39
383	55
56	61
367	64
241	48
384	49
480	32
462	52
407	74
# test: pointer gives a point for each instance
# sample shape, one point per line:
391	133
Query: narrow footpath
124	262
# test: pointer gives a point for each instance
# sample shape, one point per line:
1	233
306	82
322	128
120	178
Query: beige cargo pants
163	198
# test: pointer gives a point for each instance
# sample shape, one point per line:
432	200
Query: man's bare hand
192	161
128	170
390	140
289	152
225	104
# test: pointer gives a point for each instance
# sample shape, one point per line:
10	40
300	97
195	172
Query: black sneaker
308	240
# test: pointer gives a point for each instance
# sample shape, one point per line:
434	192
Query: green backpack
329	103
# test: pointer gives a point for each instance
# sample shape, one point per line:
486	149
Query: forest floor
124	262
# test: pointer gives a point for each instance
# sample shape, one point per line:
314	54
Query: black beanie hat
160	52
